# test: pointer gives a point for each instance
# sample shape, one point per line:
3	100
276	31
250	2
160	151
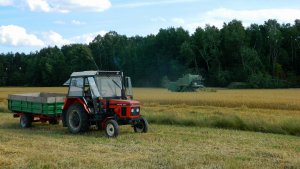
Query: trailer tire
26	120
77	119
142	126
111	128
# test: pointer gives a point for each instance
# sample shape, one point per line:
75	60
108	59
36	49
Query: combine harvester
95	98
187	83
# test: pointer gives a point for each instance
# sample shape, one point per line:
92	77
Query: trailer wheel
77	119
142	126
111	128
26	121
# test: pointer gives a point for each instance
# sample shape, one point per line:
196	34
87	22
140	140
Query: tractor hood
124	102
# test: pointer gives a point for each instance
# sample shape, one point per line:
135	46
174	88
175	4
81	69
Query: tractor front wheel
25	120
111	128
77	119
142	126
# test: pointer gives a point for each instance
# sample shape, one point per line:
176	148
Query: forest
257	56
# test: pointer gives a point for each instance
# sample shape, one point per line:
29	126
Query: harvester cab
103	99
187	83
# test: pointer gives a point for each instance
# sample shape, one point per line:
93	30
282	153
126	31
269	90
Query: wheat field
285	99
264	110
217	128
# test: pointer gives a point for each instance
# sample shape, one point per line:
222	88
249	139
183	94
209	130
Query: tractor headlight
137	109
132	110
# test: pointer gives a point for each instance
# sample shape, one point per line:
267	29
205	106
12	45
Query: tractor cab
99	97
105	84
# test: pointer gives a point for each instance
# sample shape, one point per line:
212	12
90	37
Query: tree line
258	56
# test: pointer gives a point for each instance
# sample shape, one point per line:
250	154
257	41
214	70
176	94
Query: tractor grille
135	111
124	111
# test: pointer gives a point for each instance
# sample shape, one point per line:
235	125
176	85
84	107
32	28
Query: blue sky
29	25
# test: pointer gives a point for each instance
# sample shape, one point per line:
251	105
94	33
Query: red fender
103	123
69	101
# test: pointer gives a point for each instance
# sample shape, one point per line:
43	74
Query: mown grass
164	146
185	142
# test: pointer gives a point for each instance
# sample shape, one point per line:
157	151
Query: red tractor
103	99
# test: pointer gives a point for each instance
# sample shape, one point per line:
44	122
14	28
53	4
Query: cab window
76	87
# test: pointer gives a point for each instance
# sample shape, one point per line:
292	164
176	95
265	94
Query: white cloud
73	22
91	5
158	19
260	15
38	5
151	3
218	16
52	38
59	22
6	2
65	6
76	22
87	38
18	36
178	21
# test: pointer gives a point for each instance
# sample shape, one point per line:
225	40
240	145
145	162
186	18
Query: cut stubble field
186	131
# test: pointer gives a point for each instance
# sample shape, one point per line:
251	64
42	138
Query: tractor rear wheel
142	126
26	120
77	119
111	128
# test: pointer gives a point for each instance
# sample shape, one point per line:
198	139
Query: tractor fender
103	123
67	103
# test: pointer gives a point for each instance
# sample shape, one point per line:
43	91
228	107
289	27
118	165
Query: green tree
251	61
48	67
107	50
232	40
274	40
78	58
168	44
266	55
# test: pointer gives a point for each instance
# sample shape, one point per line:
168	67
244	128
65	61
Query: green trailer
36	107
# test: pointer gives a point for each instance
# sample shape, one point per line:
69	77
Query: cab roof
94	72
91	73
84	73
